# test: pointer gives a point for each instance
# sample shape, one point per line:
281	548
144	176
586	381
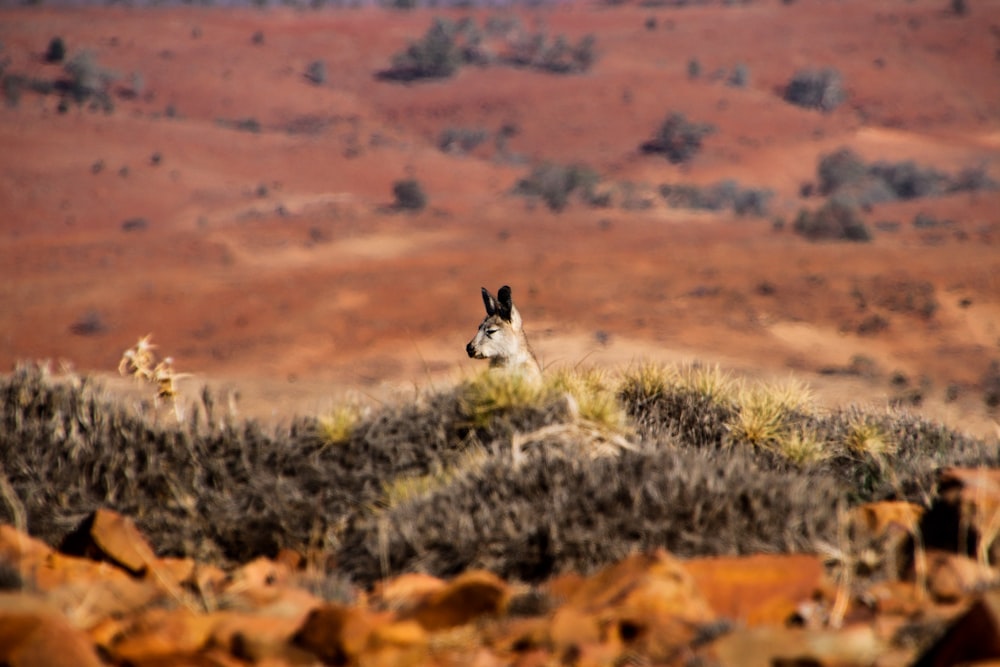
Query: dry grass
457	477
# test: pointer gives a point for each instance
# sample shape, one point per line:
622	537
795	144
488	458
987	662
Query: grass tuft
338	427
491	394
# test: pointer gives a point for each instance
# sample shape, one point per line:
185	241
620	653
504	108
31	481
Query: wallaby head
500	337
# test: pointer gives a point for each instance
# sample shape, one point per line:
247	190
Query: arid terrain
243	214
300	206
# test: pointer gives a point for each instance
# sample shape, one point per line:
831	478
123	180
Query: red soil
271	264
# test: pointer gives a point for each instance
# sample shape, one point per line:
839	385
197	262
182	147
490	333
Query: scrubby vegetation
409	195
555	184
835	220
846	174
815	89
687	458
678	138
724	195
449	45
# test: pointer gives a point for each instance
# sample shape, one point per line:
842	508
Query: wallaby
501	337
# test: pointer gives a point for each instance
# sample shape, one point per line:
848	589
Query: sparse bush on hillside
739	77
56	51
462	139
720	196
409	195
677	138
447	46
839	170
835	220
815	89
843	172
557	55
316	72
694	68
86	77
555	183
437	55
249	124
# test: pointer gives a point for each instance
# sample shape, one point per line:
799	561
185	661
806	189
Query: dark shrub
840	169
835	221
739	77
461	139
316	72
909	181
815	89
409	195
717	197
694	68
554	183
56	51
436	56
678	139
86	77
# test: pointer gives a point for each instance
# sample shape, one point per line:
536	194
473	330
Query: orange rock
902	598
766	646
256	636
32	633
89	590
396	644
469	596
974	637
16	546
335	634
950	577
259	573
290	558
162	633
759	589
572	627
406	591
877	518
675	588
965	516
107	535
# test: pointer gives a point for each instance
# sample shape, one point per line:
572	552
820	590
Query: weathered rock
757	590
336	634
468	597
965	516
158	634
107	535
881	536
646	603
405	592
33	633
973	637
766	646
950	577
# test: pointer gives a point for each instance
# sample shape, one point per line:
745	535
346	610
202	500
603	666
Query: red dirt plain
271	263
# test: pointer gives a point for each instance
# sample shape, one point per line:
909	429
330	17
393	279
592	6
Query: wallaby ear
505	302
506	308
490	303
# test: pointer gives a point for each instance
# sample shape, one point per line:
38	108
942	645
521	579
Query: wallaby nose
471	350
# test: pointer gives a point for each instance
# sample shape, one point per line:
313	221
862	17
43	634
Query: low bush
677	138
844	172
447	46
835	220
724	195
555	184
815	89
409	195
